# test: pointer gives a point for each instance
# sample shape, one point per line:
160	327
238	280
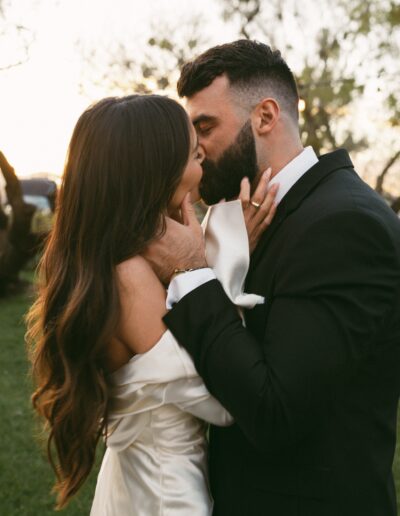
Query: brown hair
124	162
251	67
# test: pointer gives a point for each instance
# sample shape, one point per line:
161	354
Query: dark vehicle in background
41	192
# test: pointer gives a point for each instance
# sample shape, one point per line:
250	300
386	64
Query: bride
103	362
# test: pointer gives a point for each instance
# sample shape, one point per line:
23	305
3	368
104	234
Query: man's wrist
177	272
182	284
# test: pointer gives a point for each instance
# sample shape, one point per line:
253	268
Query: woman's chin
195	196
175	205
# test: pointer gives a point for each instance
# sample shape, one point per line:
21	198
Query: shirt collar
293	171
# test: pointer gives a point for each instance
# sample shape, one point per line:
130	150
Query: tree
120	71
17	242
358	44
13	35
337	49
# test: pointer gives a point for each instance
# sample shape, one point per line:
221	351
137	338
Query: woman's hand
259	209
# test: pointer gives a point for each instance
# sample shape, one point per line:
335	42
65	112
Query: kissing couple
277	321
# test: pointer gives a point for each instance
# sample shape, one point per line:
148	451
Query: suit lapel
305	185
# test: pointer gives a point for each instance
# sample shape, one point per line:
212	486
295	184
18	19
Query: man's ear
265	116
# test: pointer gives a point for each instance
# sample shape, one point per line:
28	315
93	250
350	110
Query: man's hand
181	246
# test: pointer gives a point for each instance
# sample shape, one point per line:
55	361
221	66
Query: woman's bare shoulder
136	275
142	299
134	269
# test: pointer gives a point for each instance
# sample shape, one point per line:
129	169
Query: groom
313	379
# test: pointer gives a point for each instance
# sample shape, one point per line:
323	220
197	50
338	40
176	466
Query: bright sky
40	100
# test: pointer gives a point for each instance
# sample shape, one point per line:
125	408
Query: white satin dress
156	458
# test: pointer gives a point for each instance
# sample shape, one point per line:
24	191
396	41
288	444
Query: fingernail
267	173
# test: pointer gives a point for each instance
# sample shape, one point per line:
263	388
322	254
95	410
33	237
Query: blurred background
59	56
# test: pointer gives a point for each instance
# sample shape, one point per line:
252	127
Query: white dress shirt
182	284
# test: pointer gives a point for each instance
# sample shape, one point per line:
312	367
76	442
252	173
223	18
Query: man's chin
208	195
211	198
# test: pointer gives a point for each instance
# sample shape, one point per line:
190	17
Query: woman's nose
202	152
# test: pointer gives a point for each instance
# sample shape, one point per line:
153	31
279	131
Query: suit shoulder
344	192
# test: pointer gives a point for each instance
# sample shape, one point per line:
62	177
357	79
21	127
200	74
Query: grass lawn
25	477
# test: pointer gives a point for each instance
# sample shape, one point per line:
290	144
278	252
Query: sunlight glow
302	105
41	100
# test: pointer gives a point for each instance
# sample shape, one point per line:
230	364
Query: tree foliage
152	67
356	44
338	49
15	38
352	43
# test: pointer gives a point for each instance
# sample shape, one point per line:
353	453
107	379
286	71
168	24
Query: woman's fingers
260	221
244	194
265	206
258	229
260	192
268	219
258	209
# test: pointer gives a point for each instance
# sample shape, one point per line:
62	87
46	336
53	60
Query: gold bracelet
182	271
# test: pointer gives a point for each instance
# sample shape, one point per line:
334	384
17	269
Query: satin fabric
156	458
227	251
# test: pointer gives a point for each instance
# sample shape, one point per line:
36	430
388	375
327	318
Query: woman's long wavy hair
125	160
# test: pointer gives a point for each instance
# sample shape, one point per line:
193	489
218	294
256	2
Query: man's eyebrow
203	118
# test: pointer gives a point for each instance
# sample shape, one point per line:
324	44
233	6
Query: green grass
25	477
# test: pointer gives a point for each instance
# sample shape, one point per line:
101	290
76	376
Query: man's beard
221	179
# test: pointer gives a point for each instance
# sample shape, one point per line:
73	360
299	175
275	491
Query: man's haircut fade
249	66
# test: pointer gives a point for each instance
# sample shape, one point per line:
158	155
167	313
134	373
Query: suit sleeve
334	294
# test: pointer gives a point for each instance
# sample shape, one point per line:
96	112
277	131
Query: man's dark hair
253	69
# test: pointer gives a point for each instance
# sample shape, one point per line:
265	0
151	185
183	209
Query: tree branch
14	65
396	205
381	177
13	187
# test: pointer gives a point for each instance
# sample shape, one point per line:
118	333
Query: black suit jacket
313	380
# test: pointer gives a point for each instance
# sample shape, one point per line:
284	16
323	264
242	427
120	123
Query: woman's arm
201	404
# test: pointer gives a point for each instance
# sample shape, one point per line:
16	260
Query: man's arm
334	292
